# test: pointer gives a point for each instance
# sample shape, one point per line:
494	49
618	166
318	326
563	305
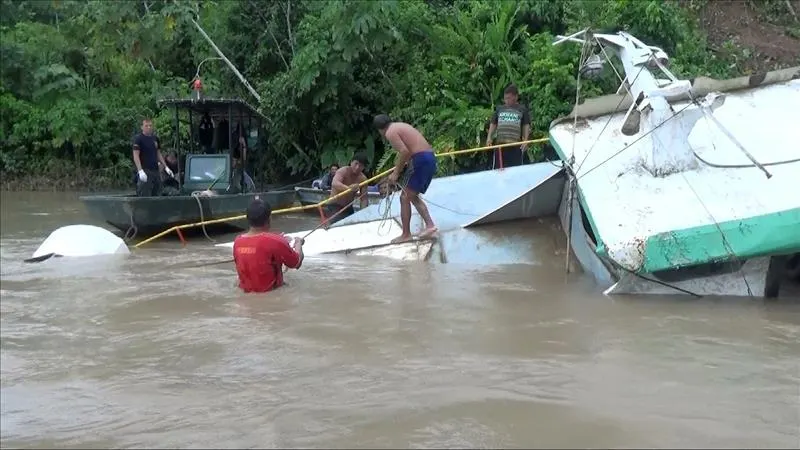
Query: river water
146	352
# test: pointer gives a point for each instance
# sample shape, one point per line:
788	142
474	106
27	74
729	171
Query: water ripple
142	351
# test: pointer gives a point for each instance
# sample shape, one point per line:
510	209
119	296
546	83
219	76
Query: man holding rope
260	255
414	149
347	179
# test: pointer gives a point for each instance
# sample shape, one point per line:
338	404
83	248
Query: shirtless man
411	147
347	179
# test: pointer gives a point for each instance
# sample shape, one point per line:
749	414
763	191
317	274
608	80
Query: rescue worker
260	254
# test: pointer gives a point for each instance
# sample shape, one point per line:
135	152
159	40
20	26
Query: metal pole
177	140
227	61
247	146
734	140
230	144
191	133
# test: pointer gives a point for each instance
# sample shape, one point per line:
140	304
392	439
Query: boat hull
311	196
669	199
146	215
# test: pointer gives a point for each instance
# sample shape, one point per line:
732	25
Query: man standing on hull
347	178
413	148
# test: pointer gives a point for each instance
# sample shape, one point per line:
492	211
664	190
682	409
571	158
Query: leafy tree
77	76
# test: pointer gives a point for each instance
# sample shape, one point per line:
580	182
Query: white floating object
78	241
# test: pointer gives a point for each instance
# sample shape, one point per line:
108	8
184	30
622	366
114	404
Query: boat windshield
207	169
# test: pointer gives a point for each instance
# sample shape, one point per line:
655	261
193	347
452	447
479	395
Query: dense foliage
77	76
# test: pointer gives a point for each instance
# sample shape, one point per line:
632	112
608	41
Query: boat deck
649	223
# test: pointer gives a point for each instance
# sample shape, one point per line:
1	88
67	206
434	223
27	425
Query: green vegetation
77	76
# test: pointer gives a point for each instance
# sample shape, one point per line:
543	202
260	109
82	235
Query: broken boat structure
682	186
668	187
460	204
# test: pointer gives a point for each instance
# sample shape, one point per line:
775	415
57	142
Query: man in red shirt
260	255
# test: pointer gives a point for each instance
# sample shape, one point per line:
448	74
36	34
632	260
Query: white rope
197	195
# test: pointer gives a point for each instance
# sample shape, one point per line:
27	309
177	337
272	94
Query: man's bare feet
401	238
428	232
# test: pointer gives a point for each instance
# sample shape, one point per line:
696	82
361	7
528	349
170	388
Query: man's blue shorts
422	167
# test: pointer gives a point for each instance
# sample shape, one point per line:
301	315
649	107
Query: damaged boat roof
478	198
650	223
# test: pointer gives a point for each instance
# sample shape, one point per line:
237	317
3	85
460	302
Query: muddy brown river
367	352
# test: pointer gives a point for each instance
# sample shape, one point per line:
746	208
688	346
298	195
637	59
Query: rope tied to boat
196	195
132	226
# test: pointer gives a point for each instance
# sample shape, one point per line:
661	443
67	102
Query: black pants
151	187
512	156
332	208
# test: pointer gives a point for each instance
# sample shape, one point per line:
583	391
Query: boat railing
177	228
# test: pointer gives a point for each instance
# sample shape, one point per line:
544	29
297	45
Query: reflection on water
368	352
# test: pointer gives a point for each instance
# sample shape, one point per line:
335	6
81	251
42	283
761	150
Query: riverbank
75	182
764	35
44	183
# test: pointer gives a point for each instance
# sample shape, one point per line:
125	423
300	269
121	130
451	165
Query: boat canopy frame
233	110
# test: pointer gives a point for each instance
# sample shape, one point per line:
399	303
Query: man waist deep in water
260	255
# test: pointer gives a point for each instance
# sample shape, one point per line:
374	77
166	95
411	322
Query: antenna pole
227	61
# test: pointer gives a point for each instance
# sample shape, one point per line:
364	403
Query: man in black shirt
146	156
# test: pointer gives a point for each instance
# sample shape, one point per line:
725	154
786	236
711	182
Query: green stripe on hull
767	234
601	248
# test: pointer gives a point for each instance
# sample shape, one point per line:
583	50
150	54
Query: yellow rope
330	199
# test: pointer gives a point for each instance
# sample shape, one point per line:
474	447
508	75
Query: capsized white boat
79	241
679	186
367	238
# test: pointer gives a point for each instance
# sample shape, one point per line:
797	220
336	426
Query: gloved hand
142	176
169	172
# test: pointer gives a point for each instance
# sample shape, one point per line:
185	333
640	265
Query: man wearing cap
347	179
260	255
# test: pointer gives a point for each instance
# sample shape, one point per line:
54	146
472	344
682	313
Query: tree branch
791	10
268	27
289	24
380	66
